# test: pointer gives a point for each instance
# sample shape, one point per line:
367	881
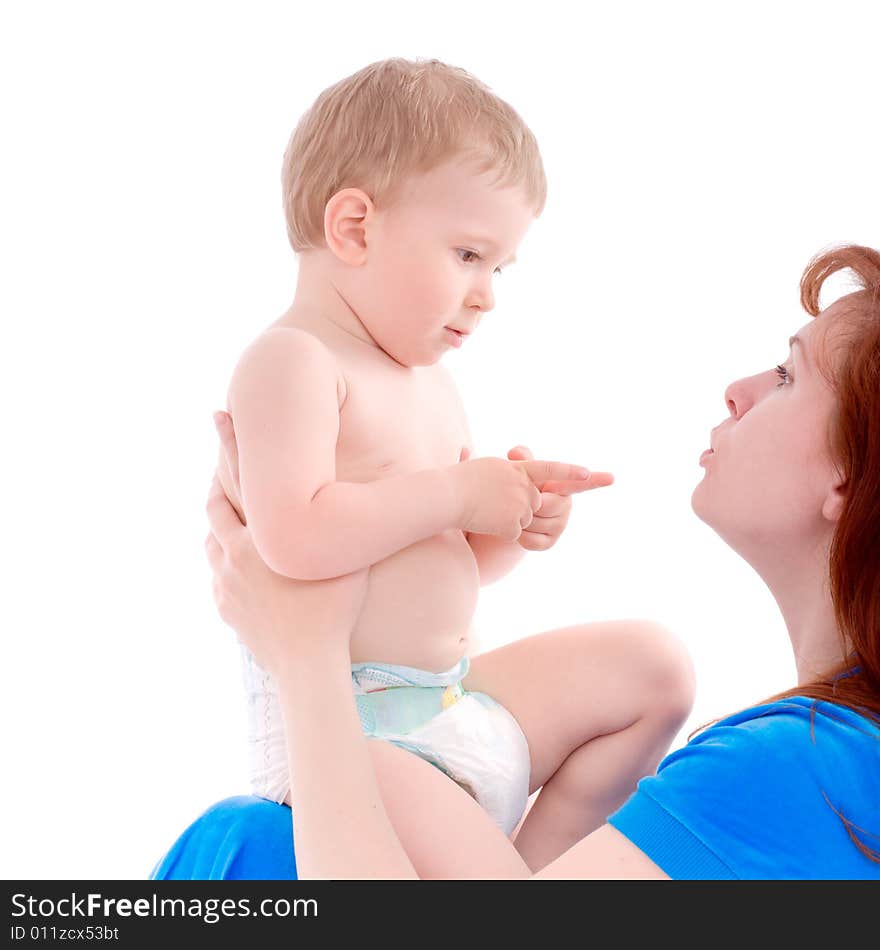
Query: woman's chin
702	507
697	501
730	531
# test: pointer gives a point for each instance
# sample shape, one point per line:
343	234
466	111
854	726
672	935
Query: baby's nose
482	299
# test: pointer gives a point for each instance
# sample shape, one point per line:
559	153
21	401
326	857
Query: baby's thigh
567	686
443	830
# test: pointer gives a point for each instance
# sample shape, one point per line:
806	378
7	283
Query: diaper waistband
369	677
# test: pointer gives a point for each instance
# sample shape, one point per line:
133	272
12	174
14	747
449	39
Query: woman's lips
706	455
454	337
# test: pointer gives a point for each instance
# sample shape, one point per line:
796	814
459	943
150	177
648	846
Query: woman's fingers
214	552
222	517
226	431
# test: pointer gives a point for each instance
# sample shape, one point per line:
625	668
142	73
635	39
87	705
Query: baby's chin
410	357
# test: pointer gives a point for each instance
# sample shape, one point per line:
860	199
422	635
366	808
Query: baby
407	187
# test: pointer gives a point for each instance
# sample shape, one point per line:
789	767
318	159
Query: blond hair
394	118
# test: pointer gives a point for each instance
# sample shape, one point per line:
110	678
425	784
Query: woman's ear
345	219
832	507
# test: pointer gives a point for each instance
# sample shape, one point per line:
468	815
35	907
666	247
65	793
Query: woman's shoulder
797	708
798	719
793	740
771	791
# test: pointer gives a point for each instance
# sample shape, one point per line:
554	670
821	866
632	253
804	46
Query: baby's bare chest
396	423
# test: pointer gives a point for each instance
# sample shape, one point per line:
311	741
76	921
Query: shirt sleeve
734	803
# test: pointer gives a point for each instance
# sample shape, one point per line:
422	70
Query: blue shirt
242	838
754	797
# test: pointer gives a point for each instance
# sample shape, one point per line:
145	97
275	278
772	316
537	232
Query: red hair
854	560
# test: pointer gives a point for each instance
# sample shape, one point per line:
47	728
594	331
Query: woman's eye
783	375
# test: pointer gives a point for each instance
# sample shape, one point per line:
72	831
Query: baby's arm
305	524
495	557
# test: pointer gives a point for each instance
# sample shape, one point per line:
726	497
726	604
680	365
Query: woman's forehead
828	336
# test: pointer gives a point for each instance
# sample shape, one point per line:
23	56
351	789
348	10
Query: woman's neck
800	586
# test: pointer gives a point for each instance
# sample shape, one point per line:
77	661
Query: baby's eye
783	374
468	257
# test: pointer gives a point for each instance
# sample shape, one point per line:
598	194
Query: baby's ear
344	225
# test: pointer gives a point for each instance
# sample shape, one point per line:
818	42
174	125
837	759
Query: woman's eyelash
783	375
462	251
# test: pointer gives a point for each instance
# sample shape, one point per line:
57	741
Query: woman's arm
340	824
604	855
299	632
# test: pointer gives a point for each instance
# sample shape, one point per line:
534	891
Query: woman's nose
744	393
738	398
734	400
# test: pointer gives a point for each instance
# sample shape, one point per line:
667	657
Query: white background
697	157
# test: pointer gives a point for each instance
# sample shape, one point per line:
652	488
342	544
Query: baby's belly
419	605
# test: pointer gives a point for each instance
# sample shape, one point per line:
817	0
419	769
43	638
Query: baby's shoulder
287	349
295	342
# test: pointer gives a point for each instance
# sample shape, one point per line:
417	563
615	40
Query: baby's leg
599	704
443	830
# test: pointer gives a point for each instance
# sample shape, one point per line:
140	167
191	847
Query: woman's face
770	485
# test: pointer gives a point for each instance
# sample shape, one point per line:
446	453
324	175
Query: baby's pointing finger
542	472
570	487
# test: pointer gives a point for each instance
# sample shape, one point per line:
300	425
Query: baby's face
432	256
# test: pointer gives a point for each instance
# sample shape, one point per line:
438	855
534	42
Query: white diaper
267	751
469	736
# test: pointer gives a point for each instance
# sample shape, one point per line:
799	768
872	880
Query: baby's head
411	184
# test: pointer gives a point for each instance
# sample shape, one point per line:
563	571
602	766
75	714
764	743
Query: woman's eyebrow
796	339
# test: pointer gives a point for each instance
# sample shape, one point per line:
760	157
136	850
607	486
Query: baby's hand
500	497
551	517
550	482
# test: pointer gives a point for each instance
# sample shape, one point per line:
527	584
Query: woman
786	789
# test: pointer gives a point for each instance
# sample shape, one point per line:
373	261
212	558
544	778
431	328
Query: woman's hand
274	616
